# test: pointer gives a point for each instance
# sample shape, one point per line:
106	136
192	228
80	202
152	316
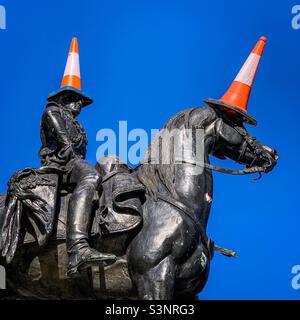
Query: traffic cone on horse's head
71	82
235	100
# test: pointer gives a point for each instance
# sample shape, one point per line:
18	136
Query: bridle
248	141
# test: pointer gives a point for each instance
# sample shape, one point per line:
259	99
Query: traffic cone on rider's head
71	76
235	100
71	82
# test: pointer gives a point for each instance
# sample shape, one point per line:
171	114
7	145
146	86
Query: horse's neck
193	183
184	178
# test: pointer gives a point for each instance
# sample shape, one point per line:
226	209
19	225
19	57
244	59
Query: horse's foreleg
151	253
157	283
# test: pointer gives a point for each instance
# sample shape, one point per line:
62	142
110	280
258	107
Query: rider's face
73	103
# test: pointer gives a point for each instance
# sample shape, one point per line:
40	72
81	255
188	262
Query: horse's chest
194	186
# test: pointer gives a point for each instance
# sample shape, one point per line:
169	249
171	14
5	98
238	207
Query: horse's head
234	142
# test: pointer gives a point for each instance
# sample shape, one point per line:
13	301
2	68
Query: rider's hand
67	152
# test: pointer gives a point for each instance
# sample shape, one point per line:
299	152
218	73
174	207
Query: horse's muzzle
272	152
270	157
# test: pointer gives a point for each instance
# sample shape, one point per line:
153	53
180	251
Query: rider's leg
79	218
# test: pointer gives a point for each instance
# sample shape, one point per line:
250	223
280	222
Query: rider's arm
57	127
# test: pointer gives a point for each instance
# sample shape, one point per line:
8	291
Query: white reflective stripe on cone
73	66
248	71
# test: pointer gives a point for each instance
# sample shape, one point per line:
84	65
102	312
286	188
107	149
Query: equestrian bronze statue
71	230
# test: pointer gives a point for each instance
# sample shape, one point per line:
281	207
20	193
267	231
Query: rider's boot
81	255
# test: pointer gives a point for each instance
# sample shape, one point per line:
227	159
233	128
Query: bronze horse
167	254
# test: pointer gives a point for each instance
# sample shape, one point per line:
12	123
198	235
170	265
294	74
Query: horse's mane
151	174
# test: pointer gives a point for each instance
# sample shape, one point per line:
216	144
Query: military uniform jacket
63	138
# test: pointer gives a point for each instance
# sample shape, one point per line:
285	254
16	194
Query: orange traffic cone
235	100
71	82
71	76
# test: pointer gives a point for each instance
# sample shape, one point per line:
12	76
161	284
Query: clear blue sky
142	61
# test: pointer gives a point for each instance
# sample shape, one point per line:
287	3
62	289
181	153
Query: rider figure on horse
64	148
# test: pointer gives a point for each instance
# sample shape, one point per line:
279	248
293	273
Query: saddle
122	198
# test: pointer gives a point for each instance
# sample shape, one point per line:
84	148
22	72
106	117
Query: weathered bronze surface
71	230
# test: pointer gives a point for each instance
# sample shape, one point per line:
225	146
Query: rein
251	170
246	171
187	211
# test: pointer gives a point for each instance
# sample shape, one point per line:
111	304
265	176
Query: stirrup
86	261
